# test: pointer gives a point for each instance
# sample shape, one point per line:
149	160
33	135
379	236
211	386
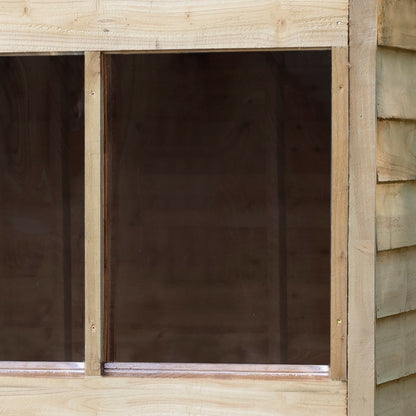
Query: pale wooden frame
94	255
305	26
291	375
94	217
94	340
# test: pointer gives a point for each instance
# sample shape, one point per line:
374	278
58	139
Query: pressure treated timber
93	215
361	243
109	25
395	347
396	398
396	281
396	150
396	25
170	397
396	215
339	208
396	84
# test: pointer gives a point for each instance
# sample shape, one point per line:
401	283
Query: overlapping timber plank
396	215
396	281
395	347
396	26
396	398
396	84
396	150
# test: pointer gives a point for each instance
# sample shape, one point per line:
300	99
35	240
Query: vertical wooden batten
362	207
339	213
93	216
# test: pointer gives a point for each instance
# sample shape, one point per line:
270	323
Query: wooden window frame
95	322
95	319
108	27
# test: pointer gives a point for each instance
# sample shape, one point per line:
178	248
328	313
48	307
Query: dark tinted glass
41	208
218	215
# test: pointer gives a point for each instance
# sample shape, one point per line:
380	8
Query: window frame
96	319
61	27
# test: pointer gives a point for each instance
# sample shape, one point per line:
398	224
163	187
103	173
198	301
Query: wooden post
93	216
362	208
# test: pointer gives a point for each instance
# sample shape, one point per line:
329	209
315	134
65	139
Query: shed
208	207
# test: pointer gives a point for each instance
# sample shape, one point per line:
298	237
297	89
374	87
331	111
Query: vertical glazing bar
93	215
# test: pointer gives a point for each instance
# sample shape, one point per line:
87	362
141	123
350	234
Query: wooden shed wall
396	209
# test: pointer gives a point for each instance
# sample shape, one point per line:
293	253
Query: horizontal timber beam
143	25
114	396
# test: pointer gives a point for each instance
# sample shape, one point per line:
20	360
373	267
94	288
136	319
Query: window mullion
93	215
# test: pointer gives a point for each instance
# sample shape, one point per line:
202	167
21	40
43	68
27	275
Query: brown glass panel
41	208
217	215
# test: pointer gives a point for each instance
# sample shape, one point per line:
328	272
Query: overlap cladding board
395	209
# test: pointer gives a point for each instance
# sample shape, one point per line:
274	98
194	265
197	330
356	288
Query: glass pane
218	207
41	208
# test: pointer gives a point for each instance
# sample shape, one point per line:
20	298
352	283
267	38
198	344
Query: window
41	208
218	207
209	194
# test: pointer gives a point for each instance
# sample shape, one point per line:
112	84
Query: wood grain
396	347
396	84
93	216
339	210
396	219
396	224
396	26
113	25
170	397
396	281
362	239
396	150
396	398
